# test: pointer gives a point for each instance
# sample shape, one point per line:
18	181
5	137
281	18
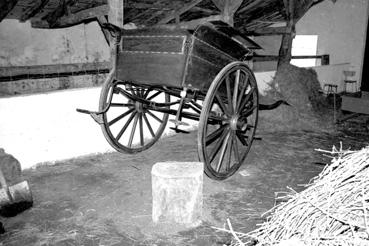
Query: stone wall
22	45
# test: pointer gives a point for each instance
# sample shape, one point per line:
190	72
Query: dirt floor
106	199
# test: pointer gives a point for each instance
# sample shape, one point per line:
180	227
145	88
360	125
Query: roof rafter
179	11
5	7
228	8
250	5
82	16
34	11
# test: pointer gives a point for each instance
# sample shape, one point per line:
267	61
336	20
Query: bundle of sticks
333	210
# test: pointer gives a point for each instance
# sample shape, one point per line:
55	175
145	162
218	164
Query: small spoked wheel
228	121
131	126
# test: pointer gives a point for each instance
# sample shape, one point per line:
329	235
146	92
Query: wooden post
285	51
115	17
115	14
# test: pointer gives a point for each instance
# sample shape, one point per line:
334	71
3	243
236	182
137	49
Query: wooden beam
228	5
82	16
59	11
52	71
101	20
153	16
317	2
199	9
5	7
115	13
115	17
276	58
286	4
268	31
38	23
178	12
228	8
136	5
250	5
194	23
285	51
302	8
262	58
34	10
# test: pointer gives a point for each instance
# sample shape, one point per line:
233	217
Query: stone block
177	193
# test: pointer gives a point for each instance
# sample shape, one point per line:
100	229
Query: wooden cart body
178	57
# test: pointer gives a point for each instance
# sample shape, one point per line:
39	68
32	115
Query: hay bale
300	88
332	211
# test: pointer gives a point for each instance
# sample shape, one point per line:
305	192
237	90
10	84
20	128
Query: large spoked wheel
131	126
228	121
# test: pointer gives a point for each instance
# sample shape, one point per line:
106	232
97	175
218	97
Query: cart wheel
228	121
130	126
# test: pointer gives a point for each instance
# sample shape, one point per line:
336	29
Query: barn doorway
304	45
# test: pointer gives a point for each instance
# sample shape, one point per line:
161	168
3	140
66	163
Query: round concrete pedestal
177	192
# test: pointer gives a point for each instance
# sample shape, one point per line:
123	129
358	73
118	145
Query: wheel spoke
147	93
125	126
141	130
128	88
228	120
148	125
230	146
242	92
133	130
154	116
222	152
214	135
135	91
235	92
242	138
221	104
131	125
120	117
216	148
235	148
154	95
229	95
140	92
247	97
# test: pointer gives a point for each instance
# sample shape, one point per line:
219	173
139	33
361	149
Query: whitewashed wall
341	29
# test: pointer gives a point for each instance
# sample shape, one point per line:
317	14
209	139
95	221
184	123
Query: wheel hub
139	107
234	122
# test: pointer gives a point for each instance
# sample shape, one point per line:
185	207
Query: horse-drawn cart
205	70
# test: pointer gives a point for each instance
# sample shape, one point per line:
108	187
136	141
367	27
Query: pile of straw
333	210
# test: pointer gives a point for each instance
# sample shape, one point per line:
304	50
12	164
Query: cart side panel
151	69
152	58
211	51
205	63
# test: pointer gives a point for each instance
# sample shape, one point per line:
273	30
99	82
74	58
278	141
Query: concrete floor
106	199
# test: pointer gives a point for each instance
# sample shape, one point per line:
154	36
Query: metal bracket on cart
177	121
97	115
